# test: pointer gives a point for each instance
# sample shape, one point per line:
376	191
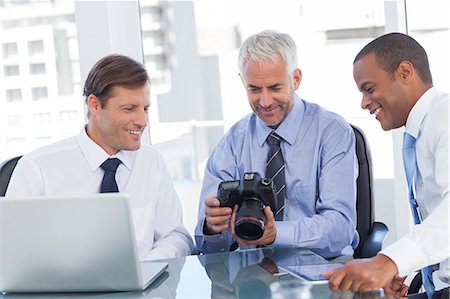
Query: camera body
251	193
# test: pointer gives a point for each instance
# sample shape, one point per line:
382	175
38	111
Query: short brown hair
114	70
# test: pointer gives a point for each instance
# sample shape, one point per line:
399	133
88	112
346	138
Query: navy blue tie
275	171
410	164
109	183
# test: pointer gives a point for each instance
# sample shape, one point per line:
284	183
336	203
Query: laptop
71	244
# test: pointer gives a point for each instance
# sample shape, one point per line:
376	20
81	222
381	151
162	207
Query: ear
93	104
297	78
405	71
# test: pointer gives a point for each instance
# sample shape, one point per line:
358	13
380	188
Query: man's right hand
217	219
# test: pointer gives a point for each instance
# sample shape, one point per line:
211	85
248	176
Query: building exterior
41	87
39	78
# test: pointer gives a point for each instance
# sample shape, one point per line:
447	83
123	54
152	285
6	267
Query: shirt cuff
285	234
215	243
406	256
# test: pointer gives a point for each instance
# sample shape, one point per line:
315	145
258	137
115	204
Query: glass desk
238	274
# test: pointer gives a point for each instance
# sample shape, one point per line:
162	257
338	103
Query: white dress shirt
72	167
428	242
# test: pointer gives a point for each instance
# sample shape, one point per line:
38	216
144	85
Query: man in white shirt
393	74
117	93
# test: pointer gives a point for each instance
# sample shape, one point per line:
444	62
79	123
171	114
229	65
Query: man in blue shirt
318	148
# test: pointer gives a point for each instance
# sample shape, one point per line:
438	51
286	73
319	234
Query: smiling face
119	124
386	96
270	90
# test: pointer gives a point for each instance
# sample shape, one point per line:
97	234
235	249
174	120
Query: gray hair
269	45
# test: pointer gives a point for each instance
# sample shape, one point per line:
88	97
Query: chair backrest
6	170
364	202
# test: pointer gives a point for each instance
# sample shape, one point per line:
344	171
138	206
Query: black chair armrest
416	284
375	239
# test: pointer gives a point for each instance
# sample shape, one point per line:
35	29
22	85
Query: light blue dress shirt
321	172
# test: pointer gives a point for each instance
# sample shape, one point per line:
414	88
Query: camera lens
250	219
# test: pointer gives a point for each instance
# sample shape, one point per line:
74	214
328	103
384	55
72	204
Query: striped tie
275	171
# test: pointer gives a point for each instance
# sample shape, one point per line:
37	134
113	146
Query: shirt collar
419	111
95	155
284	130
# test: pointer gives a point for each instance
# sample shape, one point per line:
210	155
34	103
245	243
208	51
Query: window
41	119
37	68
39	93
39	39
205	70
16	120
14	95
200	42
35	47
9	50
11	70
68	115
433	35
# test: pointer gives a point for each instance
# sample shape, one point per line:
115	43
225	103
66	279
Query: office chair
416	284
372	234
6	170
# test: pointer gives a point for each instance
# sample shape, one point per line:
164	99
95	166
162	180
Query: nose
265	99
141	118
365	102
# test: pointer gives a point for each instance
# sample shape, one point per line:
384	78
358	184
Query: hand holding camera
269	232
255	201
217	218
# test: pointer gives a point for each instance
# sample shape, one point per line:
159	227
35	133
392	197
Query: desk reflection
240	274
250	274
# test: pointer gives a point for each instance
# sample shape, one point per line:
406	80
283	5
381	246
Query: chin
271	122
386	127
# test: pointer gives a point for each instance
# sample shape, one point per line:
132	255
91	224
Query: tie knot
110	164
274	139
408	140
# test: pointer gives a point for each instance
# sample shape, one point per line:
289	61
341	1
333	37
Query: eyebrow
270	86
276	85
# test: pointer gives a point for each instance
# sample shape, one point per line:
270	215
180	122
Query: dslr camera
251	193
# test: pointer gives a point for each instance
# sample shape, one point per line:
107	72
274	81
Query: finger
216	212
346	283
355	286
233	220
402	279
214	220
330	273
335	279
217	228
212	202
398	291
269	214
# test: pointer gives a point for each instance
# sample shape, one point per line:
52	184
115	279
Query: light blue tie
410	164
